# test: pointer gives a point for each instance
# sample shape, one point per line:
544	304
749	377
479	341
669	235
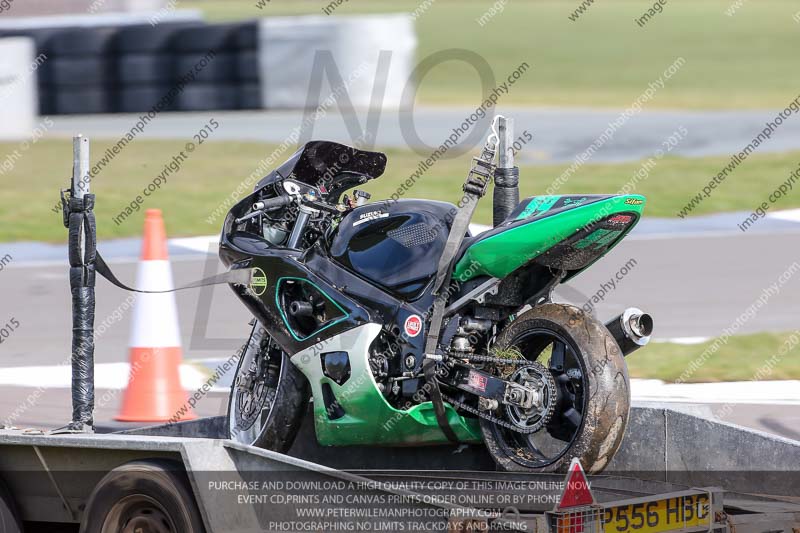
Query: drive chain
499	421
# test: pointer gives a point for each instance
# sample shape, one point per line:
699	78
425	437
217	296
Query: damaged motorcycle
408	330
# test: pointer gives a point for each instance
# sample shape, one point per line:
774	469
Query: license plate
670	514
681	512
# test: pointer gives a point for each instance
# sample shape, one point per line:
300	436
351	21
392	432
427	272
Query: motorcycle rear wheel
269	396
591	407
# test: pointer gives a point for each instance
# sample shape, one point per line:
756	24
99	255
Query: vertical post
82	254
80	167
505	149
506	175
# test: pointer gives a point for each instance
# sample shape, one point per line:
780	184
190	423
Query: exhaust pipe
631	329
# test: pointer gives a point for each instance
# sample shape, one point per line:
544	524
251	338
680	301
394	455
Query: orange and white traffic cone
154	392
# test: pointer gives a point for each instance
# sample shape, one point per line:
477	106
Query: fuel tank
394	244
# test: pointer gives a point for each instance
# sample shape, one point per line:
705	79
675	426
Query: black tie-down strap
429	370
241	276
477	181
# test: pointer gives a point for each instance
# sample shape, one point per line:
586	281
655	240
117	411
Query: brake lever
248	216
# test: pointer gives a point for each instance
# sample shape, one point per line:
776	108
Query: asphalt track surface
558	134
695	286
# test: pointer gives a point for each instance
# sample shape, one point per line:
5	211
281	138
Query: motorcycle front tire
277	428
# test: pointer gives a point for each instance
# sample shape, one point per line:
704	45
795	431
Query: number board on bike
686	512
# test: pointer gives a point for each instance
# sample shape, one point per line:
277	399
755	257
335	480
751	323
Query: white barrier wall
18	96
288	47
29	8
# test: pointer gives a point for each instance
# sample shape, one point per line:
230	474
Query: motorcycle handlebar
270	204
274	203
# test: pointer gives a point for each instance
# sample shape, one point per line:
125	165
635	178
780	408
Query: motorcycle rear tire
606	406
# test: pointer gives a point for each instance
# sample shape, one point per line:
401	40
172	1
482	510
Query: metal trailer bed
743	480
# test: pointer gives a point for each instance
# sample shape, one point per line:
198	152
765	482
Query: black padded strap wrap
79	215
506	194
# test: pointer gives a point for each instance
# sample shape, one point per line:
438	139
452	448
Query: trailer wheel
151	495
9	515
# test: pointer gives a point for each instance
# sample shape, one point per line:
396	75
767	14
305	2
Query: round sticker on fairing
258	282
413	325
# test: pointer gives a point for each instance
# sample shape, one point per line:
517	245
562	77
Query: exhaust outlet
631	329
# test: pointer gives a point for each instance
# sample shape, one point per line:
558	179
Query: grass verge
742	358
603	58
215	169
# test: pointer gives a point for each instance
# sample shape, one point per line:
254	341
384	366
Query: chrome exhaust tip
631	329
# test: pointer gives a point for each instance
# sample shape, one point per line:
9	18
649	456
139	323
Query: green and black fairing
354	289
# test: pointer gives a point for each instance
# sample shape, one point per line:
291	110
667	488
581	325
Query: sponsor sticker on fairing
413	325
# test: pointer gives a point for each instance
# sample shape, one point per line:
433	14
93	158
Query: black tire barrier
83	100
219	68
139	99
147	39
46	101
44	74
80	42
247	66
207	96
217	37
246	36
250	96
69	71
145	68
130	69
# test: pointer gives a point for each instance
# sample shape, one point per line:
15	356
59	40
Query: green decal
258	282
609	237
592	238
599	237
537	205
573	202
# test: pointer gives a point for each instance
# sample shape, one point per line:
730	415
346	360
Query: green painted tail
561	232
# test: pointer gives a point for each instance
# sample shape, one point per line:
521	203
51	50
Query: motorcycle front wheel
269	395
586	394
